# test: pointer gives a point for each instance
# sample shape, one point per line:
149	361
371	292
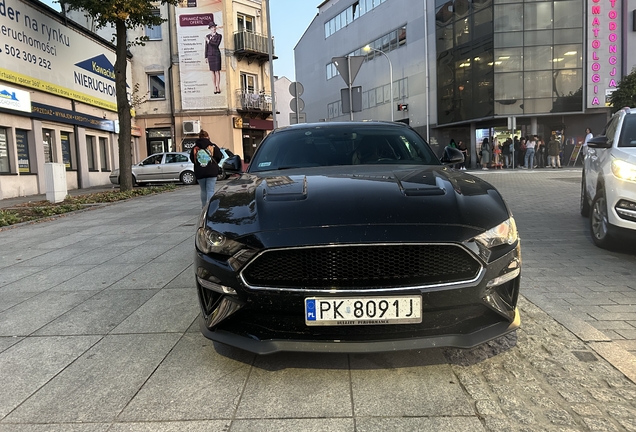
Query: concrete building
471	65
178	91
57	102
283	100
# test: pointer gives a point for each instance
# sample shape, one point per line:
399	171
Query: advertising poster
202	61
41	53
22	146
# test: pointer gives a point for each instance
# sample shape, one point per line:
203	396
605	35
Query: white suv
608	185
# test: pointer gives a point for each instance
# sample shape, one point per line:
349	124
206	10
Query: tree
625	93
123	15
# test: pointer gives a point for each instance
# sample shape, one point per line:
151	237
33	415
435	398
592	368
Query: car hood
330	197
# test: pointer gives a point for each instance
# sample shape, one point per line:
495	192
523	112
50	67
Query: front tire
584	205
187	178
599	224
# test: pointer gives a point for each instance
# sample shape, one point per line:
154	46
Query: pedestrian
516	150
540	153
496	152
485	154
462	148
205	156
588	136
554	148
530	148
505	152
522	151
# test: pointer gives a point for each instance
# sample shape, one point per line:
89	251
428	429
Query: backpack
203	157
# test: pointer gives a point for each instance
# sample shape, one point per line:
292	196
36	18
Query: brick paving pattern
98	332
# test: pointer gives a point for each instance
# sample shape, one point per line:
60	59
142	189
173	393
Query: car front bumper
460	315
621	203
271	346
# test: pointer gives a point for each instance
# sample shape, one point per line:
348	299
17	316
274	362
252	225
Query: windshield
628	134
362	144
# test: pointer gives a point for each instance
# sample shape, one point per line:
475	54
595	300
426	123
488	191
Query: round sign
296	89
297	104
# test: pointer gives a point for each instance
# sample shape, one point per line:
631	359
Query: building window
157	86
90	152
347	16
22	148
249	83
4	152
245	23
47	143
103	153
154	32
67	156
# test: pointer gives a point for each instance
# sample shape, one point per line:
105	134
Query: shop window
90	152
4	152
103	153
67	156
157	86
22	148
47	142
154	32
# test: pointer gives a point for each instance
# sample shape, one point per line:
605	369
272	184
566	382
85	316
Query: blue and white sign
14	99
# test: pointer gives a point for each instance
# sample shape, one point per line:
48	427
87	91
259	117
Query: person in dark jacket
205	156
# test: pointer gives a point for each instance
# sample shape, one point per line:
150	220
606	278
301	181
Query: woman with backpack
205	156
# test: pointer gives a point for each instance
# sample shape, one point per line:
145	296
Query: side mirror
452	156
233	165
599	142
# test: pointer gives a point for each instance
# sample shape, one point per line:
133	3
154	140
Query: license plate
329	311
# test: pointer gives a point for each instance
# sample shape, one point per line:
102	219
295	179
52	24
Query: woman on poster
213	55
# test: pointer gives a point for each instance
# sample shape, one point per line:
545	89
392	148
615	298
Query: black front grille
377	266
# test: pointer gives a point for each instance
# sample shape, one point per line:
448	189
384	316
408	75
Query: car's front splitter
271	346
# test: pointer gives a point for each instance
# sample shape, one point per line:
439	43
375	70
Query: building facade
205	68
472	65
57	101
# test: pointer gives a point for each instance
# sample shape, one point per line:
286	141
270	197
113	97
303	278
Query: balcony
251	46
254	104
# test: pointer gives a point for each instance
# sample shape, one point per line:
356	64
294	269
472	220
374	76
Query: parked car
226	155
355	237
161	168
608	183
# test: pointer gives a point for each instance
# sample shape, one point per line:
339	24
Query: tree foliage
625	93
123	15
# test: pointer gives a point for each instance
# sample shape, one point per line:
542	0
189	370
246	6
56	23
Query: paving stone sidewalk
98	332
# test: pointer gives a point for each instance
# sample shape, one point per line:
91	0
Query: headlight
504	233
624	170
210	241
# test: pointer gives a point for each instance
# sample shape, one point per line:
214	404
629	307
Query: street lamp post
369	48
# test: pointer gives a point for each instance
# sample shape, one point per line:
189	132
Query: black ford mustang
355	237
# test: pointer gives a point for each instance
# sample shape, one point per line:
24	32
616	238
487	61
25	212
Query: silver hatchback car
161	168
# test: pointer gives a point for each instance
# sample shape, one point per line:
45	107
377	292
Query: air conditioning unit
191	126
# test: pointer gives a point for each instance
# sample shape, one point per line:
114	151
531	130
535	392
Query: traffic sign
297	104
296	89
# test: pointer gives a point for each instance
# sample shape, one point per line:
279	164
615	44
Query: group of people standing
528	152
